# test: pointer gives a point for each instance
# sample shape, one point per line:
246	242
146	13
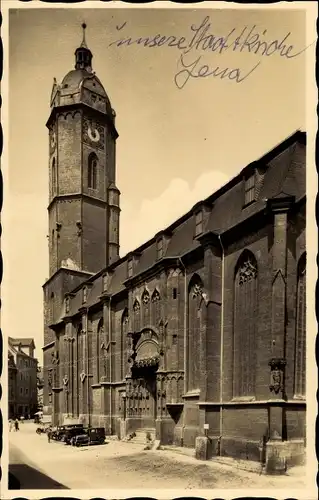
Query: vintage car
61	430
93	435
72	433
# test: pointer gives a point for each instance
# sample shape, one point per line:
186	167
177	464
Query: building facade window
53	177
99	340
198	223
145	297
250	189
52	312
245	317
300	346
195	291
156	307
124	341
84	294
136	315
92	171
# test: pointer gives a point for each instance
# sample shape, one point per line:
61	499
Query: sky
175	146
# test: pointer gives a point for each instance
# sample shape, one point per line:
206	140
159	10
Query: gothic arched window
52	311
195	291
124	332
145	298
245	317
53	180
156	307
300	349
145	307
99	340
136	315
92	171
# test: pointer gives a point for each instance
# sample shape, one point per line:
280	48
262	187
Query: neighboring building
40	384
12	385
22	367
203	324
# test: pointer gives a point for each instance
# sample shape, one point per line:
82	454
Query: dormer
85	292
106	280
253	181
162	240
132	261
67	302
201	212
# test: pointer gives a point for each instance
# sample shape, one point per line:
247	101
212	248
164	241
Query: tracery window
124	332
99	340
146	307
156	306
245	317
52	311
145	297
194	329
92	171
136	316
300	349
53	177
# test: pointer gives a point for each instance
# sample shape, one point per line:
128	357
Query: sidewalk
120	465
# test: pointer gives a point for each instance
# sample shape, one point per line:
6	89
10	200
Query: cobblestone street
118	465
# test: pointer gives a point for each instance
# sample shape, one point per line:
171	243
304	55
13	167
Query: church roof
24	342
282	172
73	80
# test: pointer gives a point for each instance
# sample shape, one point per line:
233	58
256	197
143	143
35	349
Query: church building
201	331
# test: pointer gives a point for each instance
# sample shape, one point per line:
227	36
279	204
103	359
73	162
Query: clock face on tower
93	133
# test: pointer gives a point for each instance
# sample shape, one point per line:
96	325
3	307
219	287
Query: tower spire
83	44
83	55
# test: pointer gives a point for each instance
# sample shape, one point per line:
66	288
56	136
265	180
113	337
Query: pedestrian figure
49	434
16	424
10	425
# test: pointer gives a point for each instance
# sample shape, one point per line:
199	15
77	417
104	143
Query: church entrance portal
141	397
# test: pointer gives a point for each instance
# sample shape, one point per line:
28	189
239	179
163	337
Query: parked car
72	433
59	434
93	435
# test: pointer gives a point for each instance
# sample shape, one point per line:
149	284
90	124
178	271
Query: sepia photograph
159	182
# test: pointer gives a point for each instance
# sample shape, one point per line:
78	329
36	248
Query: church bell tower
83	198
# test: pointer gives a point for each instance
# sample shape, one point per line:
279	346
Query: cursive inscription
201	39
197	70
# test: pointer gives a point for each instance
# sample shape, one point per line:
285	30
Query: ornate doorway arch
141	386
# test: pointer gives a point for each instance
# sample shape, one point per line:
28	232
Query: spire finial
83	55
83	44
